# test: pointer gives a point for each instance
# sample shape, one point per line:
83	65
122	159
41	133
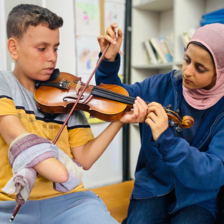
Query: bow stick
67	118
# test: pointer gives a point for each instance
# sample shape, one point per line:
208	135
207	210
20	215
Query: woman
179	172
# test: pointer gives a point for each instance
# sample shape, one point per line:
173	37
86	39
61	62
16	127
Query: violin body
53	99
106	102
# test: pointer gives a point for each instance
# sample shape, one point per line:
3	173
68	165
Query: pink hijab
212	37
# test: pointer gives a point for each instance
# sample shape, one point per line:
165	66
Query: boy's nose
52	55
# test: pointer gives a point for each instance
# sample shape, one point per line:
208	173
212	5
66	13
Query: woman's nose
189	70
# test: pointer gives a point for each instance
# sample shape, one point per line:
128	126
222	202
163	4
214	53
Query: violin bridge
78	86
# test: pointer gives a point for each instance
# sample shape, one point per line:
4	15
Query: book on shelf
165	50
169	44
150	52
191	32
156	44
186	36
159	50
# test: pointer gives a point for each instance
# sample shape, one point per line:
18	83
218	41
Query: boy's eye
56	49
41	49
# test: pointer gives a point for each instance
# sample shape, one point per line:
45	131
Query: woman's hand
137	114
114	39
157	119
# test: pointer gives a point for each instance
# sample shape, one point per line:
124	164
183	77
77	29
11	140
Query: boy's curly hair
24	15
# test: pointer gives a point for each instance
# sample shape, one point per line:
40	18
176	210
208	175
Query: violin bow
69	115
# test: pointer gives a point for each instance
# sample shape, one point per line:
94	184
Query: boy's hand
137	114
157	119
115	40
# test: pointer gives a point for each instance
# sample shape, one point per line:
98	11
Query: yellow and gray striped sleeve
7	106
79	130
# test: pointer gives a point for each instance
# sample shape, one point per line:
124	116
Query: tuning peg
178	129
172	123
177	111
169	106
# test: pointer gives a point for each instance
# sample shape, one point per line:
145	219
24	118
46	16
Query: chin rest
54	75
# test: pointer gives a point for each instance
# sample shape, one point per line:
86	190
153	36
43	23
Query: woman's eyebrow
197	63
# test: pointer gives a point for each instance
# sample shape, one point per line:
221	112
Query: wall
3	65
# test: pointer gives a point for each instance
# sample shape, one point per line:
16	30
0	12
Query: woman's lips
186	80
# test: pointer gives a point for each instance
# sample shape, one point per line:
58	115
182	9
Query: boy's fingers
141	109
142	102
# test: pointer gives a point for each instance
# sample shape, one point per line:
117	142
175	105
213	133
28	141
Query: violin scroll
175	119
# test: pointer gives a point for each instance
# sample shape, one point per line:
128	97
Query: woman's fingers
157	119
152	116
157	109
120	35
112	33
113	26
105	40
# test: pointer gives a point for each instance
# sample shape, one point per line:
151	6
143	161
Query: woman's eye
200	70
56	49
187	60
41	49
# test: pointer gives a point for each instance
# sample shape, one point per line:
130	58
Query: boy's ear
12	48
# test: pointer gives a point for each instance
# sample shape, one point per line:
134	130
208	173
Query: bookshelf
155	18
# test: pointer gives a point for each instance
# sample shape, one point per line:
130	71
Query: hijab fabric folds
212	37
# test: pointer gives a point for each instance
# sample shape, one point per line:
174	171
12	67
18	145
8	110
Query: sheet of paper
87	49
114	13
87	16
85	78
116	1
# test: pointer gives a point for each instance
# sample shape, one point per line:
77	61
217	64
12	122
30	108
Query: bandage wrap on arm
28	150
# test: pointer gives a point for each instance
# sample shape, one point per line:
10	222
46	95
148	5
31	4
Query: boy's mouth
49	70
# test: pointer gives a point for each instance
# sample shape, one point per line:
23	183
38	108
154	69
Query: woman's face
198	70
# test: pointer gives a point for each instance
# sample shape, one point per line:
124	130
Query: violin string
114	96
108	94
122	98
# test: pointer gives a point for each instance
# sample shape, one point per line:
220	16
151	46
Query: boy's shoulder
6	77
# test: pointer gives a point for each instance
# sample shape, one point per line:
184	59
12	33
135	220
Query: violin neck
110	95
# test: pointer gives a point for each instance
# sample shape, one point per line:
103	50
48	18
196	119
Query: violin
105	101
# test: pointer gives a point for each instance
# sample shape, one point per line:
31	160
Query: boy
33	40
